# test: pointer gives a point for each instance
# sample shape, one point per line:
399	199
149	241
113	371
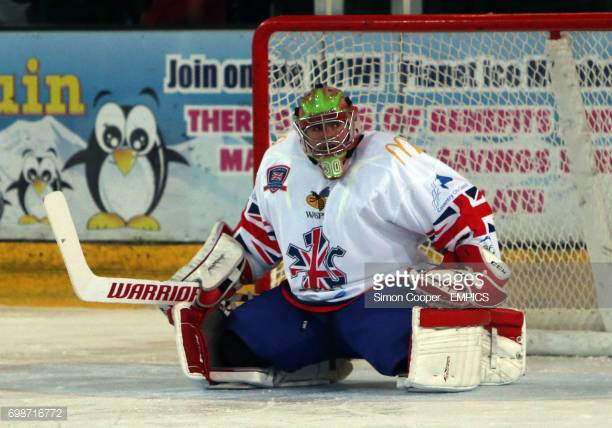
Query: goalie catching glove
217	267
469	276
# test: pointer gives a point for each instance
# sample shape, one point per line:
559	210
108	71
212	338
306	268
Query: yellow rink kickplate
33	274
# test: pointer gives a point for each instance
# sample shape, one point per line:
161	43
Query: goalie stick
92	288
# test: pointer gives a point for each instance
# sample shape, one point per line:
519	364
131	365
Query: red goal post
521	104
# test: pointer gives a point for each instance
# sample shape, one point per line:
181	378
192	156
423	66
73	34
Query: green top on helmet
321	100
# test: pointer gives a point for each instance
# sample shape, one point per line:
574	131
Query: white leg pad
503	359
443	358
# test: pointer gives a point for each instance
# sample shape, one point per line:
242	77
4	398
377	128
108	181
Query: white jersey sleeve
437	201
256	235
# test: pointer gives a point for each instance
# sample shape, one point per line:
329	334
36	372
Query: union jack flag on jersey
316	262
258	239
466	219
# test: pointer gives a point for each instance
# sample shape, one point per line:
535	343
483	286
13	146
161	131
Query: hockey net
521	105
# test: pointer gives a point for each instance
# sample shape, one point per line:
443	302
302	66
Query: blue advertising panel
147	133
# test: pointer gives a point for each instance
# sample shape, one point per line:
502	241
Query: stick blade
92	288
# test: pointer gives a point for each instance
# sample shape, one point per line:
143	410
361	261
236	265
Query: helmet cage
313	131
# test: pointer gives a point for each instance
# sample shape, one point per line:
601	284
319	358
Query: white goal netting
526	118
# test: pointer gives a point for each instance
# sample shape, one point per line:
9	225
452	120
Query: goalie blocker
471	276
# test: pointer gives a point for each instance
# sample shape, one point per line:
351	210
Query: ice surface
119	368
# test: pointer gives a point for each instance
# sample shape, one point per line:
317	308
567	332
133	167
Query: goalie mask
326	122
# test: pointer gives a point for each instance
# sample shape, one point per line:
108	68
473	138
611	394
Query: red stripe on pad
431	317
507	317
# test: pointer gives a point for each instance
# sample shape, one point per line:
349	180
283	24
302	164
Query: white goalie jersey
333	234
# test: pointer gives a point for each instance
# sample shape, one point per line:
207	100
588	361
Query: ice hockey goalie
328	201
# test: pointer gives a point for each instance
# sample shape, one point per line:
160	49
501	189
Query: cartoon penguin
3	203
126	165
39	176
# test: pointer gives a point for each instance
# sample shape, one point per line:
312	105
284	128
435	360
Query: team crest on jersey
316	263
318	200
276	176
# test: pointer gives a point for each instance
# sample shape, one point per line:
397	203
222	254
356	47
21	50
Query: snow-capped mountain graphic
201	190
38	136
202	154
